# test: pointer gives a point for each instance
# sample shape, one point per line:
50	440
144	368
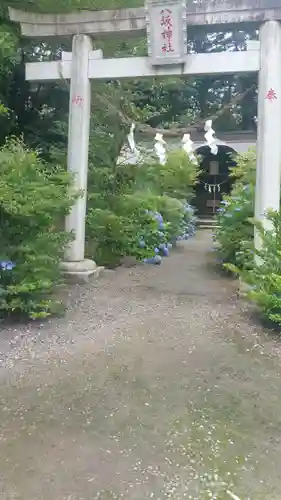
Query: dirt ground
156	384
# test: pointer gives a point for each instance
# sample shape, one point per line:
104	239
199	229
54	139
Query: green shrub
264	276
174	214
33	202
244	172
119	199
176	178
259	269
235	232
116	235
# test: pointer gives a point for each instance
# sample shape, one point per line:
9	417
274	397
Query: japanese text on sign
167	30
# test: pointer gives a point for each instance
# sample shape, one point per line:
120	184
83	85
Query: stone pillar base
81	271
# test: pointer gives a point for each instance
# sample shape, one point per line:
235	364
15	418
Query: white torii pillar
268	174
77	156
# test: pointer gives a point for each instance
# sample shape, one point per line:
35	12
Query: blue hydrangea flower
158	217
156	260
142	243
7	265
188	208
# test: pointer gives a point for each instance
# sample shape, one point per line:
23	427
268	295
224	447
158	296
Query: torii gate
165	22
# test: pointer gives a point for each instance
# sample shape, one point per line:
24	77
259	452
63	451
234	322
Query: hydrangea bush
34	200
259	269
235	230
166	237
264	274
141	226
139	210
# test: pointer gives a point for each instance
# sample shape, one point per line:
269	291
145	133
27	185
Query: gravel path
156	384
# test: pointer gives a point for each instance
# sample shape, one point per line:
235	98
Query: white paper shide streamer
135	154
212	188
210	137
159	148
187	146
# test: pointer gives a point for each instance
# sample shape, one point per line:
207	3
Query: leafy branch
196	125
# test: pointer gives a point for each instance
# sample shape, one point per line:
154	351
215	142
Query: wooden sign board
213	203
214	168
166	31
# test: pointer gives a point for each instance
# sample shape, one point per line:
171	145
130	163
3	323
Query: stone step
209	228
206	223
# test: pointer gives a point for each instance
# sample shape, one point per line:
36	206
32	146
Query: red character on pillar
271	95
78	100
